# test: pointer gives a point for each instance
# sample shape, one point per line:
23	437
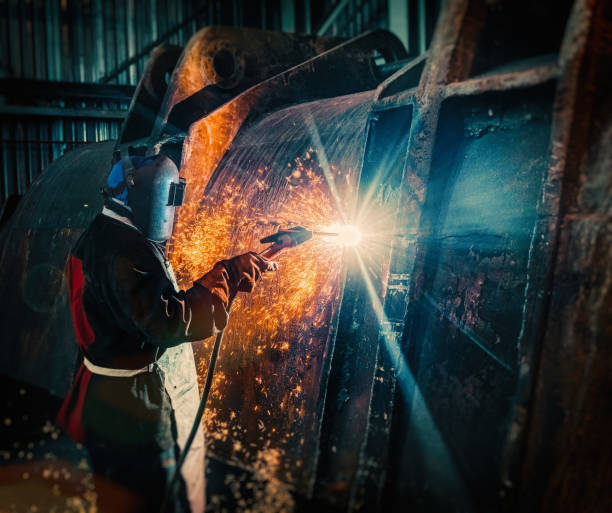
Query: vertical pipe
422	21
44	148
33	154
57	39
38	35
14	37
172	21
98	35
119	28
93	124
398	19
189	11
89	43
131	39
25	20
180	16
109	36
287	16
20	160
153	19
57	134
65	52
143	35
4	39
76	30
264	14
161	16
114	134
236	18
51	38
7	163
307	17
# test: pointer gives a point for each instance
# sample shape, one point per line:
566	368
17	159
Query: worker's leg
131	440
130	480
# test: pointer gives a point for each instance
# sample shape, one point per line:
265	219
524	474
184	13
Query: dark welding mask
154	190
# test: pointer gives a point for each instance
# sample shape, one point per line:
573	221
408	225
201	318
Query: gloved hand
237	274
245	270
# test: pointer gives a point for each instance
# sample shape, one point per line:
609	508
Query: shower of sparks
233	220
307	272
266	387
289	309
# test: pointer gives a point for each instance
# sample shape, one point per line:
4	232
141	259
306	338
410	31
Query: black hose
197	421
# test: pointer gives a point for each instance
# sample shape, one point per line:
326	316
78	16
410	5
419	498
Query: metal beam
422	23
398	19
16	90
60	112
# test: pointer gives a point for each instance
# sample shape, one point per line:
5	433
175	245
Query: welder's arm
147	302
237	274
167	317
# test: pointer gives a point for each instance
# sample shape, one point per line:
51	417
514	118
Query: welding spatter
281	241
285	239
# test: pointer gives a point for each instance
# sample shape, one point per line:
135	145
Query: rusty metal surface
456	40
220	62
565	466
490	157
542	25
269	397
347	68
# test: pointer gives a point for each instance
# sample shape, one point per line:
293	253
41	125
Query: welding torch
289	238
280	241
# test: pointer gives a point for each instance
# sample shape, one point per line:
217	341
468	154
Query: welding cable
269	252
198	418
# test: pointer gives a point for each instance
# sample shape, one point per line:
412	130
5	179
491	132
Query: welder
127	310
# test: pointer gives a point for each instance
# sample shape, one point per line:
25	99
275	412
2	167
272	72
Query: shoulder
110	240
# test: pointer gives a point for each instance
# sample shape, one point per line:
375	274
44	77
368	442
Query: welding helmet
151	188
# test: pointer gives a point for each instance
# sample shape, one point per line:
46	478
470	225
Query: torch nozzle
289	237
284	239
347	235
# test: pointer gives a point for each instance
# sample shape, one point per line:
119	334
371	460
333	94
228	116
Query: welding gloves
237	274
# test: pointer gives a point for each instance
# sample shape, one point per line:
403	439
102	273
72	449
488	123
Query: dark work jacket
126	310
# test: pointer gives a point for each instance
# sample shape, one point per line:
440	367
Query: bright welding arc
345	234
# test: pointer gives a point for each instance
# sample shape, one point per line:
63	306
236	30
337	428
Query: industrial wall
92	40
46	44
49	48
